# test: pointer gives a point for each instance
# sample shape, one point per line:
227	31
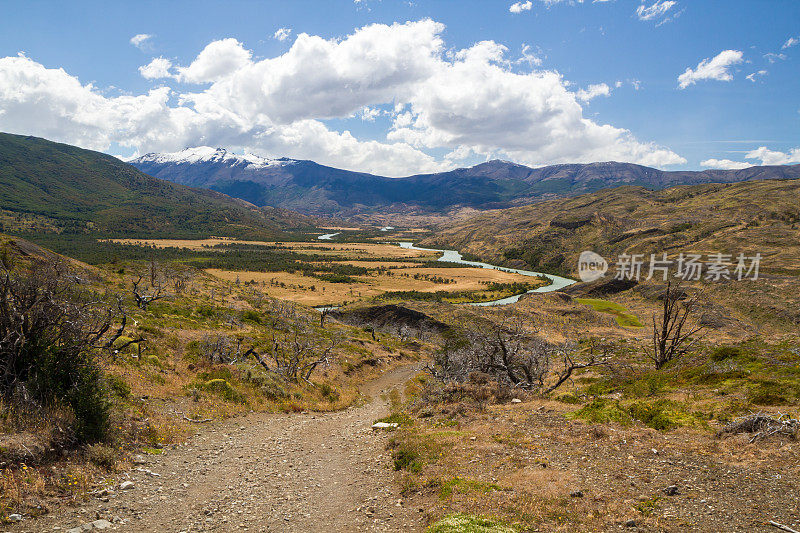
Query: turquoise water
452	256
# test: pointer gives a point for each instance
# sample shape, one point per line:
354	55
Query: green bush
252	316
725	352
117	386
406	458
653	415
47	344
224	389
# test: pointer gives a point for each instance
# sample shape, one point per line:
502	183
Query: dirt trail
303	472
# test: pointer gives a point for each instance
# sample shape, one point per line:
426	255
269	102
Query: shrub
48	342
653	415
117	386
406	458
224	389
725	352
102	455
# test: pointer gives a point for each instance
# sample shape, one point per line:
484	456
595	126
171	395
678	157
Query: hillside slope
63	187
755	216
312	188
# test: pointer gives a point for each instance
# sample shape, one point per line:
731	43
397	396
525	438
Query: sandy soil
301	472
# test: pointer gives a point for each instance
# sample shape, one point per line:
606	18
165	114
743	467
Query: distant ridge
311	188
65	188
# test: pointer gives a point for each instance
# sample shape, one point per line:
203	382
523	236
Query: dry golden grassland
297	288
386	275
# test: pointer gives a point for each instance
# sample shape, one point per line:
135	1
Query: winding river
452	256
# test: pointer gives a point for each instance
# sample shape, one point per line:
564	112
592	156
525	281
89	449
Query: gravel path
302	472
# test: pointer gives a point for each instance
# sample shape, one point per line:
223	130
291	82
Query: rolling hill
311	188
755	216
58	187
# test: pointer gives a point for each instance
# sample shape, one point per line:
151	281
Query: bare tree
570	365
294	350
512	351
509	349
672	337
151	285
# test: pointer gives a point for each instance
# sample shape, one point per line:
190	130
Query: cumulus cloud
157	68
753	75
282	34
593	91
762	153
519	7
217	60
464	103
717	68
725	164
140	40
654	11
774	157
791	41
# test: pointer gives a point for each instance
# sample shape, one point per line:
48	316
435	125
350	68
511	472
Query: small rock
630	523
101	524
384	425
672	490
139	459
15	517
126	485
576	494
516	400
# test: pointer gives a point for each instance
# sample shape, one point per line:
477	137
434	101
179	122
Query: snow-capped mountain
311	188
207	154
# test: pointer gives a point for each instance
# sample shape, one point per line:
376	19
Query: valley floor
264	472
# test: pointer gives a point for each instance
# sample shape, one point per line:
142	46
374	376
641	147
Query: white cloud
654	11
593	91
282	34
531	118
753	75
791	41
157	68
140	40
725	164
529	57
717	68
772	57
774	157
369	114
463	102
217	60
762	153
519	7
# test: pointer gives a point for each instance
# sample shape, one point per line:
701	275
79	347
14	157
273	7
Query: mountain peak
207	154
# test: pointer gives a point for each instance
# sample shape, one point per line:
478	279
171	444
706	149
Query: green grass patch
660	414
462	485
461	523
621	314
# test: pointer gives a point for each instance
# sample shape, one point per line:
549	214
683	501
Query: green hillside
756	216
58	187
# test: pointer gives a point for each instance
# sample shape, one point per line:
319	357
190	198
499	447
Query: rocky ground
262	472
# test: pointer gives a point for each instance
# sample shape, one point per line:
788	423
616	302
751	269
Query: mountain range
311	188
58	187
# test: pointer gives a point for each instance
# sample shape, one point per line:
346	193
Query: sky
403	87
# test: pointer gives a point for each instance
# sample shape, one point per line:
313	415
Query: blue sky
401	87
